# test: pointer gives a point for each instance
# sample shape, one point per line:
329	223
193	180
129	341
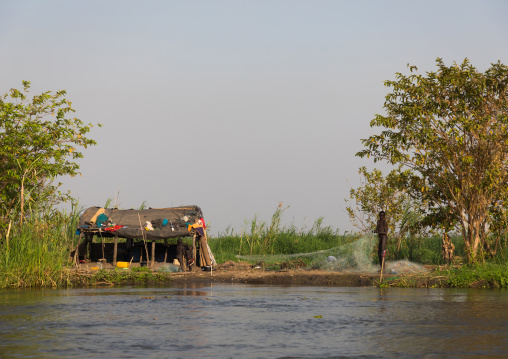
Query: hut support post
88	246
85	247
153	254
115	251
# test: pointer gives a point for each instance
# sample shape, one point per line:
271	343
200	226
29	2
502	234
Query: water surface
242	321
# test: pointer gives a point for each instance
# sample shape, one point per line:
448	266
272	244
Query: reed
425	250
261	238
36	252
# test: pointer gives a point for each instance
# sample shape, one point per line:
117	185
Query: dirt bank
245	273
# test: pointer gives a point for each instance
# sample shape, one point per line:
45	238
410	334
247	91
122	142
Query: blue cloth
101	220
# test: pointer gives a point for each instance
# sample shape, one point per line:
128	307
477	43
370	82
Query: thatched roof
177	218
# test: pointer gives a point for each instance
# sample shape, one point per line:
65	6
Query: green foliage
37	253
450	127
378	193
425	250
484	275
139	275
38	143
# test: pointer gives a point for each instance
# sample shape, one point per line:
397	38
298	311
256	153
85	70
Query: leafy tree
450	127
38	143
379	193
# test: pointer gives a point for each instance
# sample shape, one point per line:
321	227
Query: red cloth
114	228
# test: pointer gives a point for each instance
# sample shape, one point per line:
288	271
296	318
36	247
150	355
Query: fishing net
354	257
405	267
169	268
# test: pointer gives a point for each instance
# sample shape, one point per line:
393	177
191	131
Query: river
245	321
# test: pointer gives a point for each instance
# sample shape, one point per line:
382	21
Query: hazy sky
234	105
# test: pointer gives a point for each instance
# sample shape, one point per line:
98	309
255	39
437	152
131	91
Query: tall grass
37	252
425	250
262	238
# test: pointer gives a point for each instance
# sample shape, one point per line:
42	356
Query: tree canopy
450	128
39	141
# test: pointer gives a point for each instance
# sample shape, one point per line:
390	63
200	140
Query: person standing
382	233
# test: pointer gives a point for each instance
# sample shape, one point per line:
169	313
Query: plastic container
122	264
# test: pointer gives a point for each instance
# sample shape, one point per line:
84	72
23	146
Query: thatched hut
142	229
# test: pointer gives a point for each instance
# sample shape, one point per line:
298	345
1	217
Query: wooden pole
89	244
194	249
102	241
382	265
153	254
166	251
115	251
203	250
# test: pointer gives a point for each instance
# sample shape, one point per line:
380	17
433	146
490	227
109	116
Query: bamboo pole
144	241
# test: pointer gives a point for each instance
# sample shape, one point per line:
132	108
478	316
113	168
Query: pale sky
234	106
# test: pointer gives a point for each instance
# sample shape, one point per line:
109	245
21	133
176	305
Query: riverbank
245	273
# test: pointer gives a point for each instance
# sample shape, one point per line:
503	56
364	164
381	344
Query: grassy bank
136	275
37	254
492	273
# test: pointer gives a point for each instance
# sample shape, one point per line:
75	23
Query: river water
243	321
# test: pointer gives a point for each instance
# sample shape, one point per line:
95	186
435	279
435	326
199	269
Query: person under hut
382	233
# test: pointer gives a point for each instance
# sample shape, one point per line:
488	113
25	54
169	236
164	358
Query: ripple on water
253	322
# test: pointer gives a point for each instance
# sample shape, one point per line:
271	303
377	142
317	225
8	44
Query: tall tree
38	143
450	127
